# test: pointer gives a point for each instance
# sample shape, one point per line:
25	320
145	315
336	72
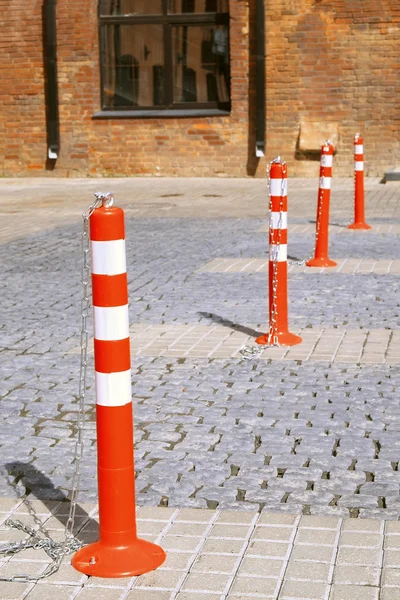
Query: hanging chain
107	200
249	352
302	262
275	256
57	550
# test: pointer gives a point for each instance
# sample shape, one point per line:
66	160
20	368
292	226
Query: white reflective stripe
326	160
108	258
278	252
275	221
111	322
358	149
113	389
325	183
278	187
359	165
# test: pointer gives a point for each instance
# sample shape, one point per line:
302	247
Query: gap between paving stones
310	439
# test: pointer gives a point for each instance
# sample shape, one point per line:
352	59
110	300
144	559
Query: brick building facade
332	69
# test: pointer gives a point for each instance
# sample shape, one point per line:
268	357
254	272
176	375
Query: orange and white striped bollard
278	290
321	258
359	218
119	552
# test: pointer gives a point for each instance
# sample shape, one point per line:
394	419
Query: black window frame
168	20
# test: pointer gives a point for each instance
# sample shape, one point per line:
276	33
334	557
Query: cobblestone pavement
311	434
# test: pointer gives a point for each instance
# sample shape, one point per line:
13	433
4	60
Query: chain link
303	262
57	550
249	352
275	253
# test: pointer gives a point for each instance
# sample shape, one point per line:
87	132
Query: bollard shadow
295	258
234	326
314	222
37	485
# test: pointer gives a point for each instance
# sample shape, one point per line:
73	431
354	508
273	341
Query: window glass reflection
130	7
133	59
198	6
200	57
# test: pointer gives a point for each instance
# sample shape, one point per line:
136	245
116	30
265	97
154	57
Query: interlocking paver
216	341
311	429
344	265
309	228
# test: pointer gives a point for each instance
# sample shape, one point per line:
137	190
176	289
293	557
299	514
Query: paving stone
344	592
221	431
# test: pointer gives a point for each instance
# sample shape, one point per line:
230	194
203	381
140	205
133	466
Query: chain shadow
36	484
231	325
340	225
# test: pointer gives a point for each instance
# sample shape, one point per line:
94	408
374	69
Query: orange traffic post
359	218
278	333
119	552
321	258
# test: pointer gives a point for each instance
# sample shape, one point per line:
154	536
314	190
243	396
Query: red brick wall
329	62
22	119
335	62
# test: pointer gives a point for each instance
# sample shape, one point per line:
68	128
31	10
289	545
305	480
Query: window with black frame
165	55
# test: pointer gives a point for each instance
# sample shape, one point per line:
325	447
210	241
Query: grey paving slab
227	340
246	471
222	555
34	204
336	228
357	266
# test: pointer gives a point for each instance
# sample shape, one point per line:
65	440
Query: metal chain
302	263
57	550
249	352
275	255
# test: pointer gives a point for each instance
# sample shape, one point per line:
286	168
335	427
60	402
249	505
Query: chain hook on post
278	333
57	550
250	352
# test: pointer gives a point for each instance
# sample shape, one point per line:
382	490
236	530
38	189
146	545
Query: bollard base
101	560
321	262
359	226
283	339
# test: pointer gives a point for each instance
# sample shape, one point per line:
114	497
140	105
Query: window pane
130	7
198	6
133	65
200	57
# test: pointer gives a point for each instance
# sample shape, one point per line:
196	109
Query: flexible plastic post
321	258
359	218
119	552
278	289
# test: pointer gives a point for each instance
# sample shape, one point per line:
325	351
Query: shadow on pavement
341	225
41	487
226	323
